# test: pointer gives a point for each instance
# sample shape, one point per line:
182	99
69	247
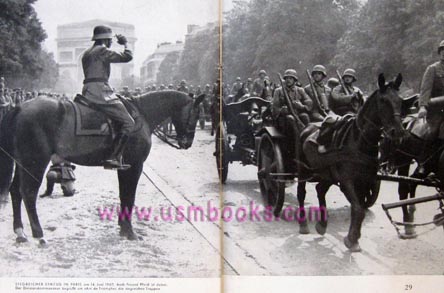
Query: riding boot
115	160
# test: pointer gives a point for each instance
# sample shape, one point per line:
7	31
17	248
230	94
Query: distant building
150	67
74	38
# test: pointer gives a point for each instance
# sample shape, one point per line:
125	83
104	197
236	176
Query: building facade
150	67
74	38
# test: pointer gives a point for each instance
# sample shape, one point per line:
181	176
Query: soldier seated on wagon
318	73
300	101
345	99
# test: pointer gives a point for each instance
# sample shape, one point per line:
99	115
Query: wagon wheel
374	193
222	152
270	161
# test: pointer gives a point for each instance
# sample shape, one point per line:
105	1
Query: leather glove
422	113
121	40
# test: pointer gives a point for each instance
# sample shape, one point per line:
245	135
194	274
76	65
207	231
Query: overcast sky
155	21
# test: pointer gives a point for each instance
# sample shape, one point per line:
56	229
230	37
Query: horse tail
7	131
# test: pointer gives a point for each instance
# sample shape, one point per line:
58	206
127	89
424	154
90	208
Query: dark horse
354	166
44	127
399	157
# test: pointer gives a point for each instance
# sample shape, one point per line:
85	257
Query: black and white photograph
221	145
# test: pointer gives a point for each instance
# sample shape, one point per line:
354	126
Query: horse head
389	107
186	120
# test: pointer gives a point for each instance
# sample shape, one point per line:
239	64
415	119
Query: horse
354	166
41	128
398	158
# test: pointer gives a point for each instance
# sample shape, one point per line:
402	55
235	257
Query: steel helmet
441	46
262	72
249	79
350	72
183	82
332	82
319	68
102	32
291	73
238	78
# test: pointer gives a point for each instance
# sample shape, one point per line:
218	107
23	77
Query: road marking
238	259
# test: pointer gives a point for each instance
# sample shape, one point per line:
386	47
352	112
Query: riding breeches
118	113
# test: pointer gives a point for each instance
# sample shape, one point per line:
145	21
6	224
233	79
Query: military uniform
96	62
301	102
343	103
432	86
236	87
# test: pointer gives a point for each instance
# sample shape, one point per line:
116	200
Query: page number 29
408	287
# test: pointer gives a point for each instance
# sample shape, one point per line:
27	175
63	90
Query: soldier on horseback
96	62
318	73
432	86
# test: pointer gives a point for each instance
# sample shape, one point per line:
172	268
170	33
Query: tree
392	36
22	61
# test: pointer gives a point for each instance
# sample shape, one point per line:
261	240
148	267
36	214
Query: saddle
337	130
91	122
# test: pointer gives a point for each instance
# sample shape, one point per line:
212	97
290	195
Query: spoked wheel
374	193
270	162
222	149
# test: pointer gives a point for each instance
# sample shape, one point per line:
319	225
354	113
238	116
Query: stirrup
114	164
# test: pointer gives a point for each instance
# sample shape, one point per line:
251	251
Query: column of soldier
11	98
182	87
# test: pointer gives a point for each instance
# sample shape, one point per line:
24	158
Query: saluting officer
347	103
96	62
319	73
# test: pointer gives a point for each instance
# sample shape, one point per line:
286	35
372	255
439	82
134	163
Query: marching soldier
170	86
249	85
125	92
258	84
347	100
96	62
137	91
319	73
183	86
301	102
4	101
162	87
236	86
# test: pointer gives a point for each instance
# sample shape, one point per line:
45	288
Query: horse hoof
321	229
21	239
43	243
353	247
410	233
130	235
303	228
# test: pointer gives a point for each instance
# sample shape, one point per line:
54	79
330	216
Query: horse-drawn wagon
284	154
